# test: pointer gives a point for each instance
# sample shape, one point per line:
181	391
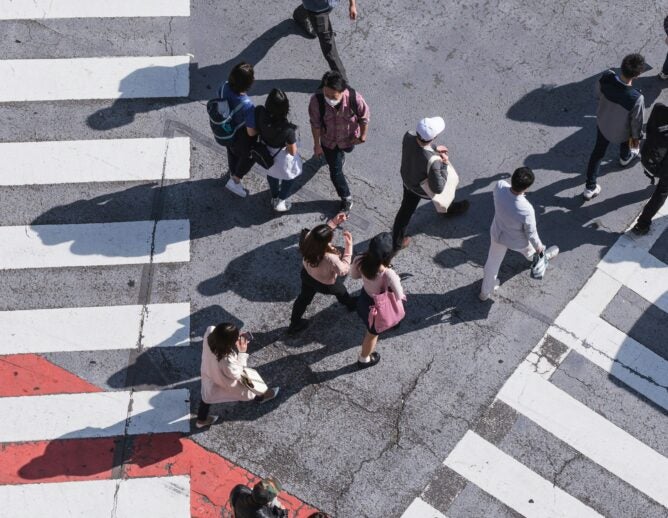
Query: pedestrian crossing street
532	394
67	447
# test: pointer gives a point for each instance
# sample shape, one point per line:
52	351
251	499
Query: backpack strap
352	95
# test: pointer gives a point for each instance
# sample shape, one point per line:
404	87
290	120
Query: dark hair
316	244
241	77
334	80
522	179
633	65
370	264
277	105
223	339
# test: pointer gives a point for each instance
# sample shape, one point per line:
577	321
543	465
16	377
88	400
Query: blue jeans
597	155
335	160
280	189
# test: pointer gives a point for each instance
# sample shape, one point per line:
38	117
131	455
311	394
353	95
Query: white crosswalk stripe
94	244
82	161
530	392
94	328
130	498
94	78
511	482
45	9
94	414
50	417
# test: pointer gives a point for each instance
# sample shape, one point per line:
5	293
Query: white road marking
511	482
124	498
587	432
94	244
96	414
613	351
44	9
93	328
80	161
638	270
94	78
421	509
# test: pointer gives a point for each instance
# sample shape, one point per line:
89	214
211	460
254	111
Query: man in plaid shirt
338	123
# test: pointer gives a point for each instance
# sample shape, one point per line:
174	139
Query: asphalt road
514	82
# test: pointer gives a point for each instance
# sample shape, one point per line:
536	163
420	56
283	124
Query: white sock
364	359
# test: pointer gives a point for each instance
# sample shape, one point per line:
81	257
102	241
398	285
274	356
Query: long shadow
204	82
210	208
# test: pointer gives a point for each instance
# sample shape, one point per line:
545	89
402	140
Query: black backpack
655	148
221	119
321	104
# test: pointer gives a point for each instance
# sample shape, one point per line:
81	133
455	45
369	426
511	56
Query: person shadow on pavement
204	82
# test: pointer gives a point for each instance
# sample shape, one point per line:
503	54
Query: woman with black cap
377	276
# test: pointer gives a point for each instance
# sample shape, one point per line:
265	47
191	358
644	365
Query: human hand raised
348	238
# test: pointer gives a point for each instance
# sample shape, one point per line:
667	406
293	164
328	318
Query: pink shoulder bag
387	310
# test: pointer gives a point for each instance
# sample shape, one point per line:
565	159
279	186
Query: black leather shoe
375	358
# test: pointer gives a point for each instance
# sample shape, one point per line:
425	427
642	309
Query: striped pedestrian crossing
97	414
94	244
46	9
129	498
94	328
511	482
580	329
83	161
94	78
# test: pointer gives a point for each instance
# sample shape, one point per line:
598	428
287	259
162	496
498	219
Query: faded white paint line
613	351
44	9
94	78
93	328
586	431
511	482
421	509
80	161
95	414
94	244
638	270
124	498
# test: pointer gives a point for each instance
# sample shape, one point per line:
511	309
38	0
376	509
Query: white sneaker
274	201
588	194
552	252
634	154
282	206
483	297
236	188
663	76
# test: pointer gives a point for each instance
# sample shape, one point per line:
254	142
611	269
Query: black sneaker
640	230
375	358
301	18
346	205
297	327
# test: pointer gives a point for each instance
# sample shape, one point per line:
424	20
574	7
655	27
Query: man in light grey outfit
514	227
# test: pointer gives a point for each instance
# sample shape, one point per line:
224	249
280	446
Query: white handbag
251	379
444	199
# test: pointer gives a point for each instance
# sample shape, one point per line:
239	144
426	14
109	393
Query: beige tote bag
443	199
252	380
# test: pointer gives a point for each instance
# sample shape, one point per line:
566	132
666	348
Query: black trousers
409	203
655	203
326	36
238	154
310	287
597	155
203	411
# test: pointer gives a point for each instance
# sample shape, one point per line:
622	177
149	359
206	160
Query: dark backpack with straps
655	148
221	119
352	95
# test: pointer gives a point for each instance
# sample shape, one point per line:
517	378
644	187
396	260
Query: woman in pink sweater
377	276
323	269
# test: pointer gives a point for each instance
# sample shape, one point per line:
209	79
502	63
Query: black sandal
375	358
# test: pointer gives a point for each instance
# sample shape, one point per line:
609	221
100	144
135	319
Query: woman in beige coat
224	357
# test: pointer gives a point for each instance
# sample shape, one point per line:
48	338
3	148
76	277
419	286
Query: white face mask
332	102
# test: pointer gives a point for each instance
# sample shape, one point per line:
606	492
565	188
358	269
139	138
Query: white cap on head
430	127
